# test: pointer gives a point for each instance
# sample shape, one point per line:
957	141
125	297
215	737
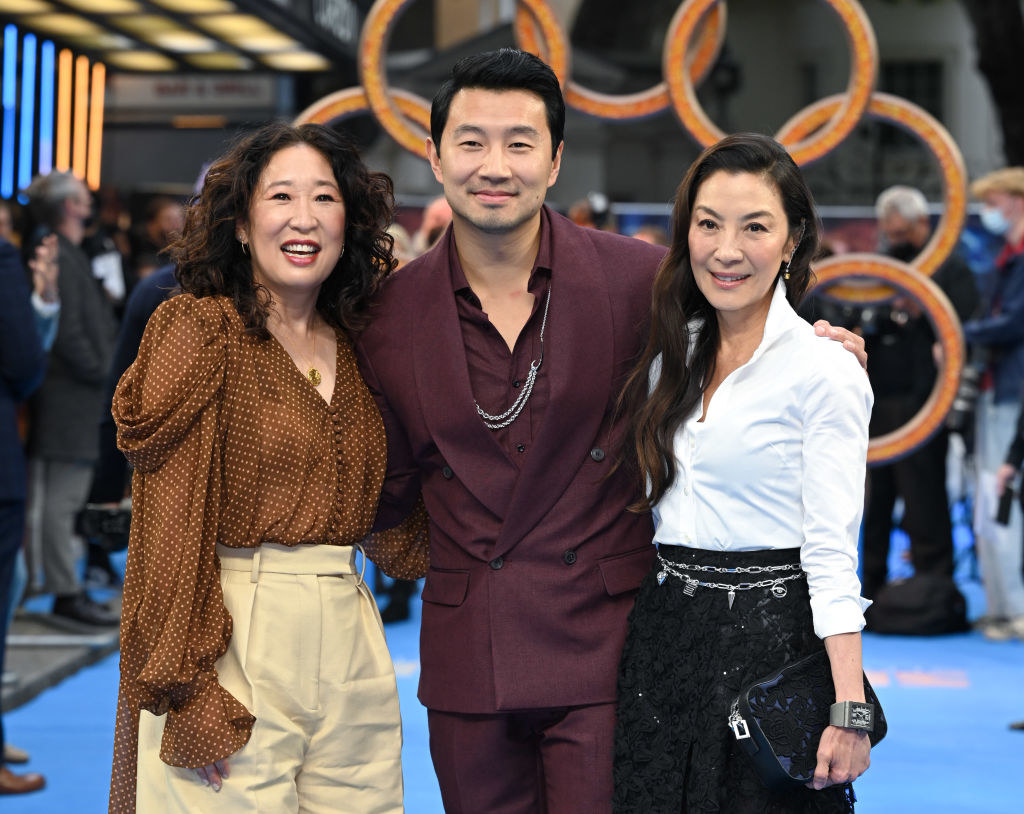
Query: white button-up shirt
779	462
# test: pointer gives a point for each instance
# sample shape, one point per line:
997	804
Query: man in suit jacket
22	365
64	436
496	359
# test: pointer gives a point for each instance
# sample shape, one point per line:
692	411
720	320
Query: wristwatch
853	715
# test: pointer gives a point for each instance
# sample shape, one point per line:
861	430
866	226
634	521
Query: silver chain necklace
497	422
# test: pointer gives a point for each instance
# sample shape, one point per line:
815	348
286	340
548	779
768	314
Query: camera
106	526
961	413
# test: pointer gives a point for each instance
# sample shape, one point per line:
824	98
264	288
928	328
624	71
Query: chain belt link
777	584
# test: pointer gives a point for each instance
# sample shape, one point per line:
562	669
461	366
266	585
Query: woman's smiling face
739	238
296	224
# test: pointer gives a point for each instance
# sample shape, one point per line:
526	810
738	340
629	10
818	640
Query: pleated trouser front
308	658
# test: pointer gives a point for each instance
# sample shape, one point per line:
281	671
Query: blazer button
569	557
597	454
497	563
447	473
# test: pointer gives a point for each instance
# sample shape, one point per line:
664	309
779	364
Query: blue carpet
948	701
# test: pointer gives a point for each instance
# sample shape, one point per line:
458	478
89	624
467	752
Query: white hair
907	202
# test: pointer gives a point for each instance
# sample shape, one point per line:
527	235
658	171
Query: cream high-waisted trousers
307	657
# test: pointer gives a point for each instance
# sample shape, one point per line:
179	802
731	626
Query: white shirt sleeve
837	405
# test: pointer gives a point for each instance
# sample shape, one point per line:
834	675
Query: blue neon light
9	87
28	109
47	62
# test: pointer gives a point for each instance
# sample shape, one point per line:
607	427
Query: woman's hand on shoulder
843	756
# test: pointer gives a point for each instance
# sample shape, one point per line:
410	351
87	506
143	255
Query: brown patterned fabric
230	444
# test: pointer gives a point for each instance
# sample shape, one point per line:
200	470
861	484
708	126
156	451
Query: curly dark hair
209	257
653	417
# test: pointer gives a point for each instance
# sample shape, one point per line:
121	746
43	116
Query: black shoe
81	608
1018	725
396	611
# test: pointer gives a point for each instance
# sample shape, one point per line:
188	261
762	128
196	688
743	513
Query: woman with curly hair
253	661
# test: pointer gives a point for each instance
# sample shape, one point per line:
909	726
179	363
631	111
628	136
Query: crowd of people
513	404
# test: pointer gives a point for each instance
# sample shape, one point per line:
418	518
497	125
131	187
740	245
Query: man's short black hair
504	69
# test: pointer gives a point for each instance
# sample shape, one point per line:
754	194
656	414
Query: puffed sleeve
174	623
836	407
402	552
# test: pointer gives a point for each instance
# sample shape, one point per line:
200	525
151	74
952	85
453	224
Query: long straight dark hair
654	414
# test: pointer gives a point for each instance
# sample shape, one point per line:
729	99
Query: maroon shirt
496	374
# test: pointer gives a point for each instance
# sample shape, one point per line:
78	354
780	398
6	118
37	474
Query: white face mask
994	220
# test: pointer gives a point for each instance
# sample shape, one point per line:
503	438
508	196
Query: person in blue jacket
999	333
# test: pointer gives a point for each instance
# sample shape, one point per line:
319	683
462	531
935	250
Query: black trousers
12	527
920	479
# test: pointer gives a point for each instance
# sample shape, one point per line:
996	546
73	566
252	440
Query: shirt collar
542	263
1009	252
780	321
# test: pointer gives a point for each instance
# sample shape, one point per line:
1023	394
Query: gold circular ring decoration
864	68
692	44
627	106
372	45
350	101
898	443
411	131
917	121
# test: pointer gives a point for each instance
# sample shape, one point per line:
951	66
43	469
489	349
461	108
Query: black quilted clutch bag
779	719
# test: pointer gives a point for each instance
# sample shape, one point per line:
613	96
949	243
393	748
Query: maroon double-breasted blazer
534	566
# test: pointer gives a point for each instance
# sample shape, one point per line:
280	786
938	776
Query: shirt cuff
211	727
838	614
43	308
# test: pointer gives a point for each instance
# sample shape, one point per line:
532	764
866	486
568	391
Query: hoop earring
245	245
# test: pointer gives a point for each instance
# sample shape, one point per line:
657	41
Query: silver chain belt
777	584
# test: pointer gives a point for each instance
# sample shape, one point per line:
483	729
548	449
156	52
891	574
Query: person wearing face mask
901	340
999	330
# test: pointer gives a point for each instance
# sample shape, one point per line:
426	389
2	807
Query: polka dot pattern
230	444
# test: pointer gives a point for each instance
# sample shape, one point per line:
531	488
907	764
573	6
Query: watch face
860	716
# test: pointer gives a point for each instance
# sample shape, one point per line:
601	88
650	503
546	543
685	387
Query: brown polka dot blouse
230	444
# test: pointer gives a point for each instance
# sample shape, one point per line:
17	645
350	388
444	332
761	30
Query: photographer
900	342
1000	331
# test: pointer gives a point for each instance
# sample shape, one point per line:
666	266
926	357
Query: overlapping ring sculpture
692	43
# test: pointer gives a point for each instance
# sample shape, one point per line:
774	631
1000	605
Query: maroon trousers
543	761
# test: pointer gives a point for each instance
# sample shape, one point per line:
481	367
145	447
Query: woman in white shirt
751	435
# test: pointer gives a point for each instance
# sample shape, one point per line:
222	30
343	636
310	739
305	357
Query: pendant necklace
312	374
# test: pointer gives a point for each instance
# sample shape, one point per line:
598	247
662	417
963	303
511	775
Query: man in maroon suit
496	359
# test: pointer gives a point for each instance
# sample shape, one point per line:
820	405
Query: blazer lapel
579	359
446	397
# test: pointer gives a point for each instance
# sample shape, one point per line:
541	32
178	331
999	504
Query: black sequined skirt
687	654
